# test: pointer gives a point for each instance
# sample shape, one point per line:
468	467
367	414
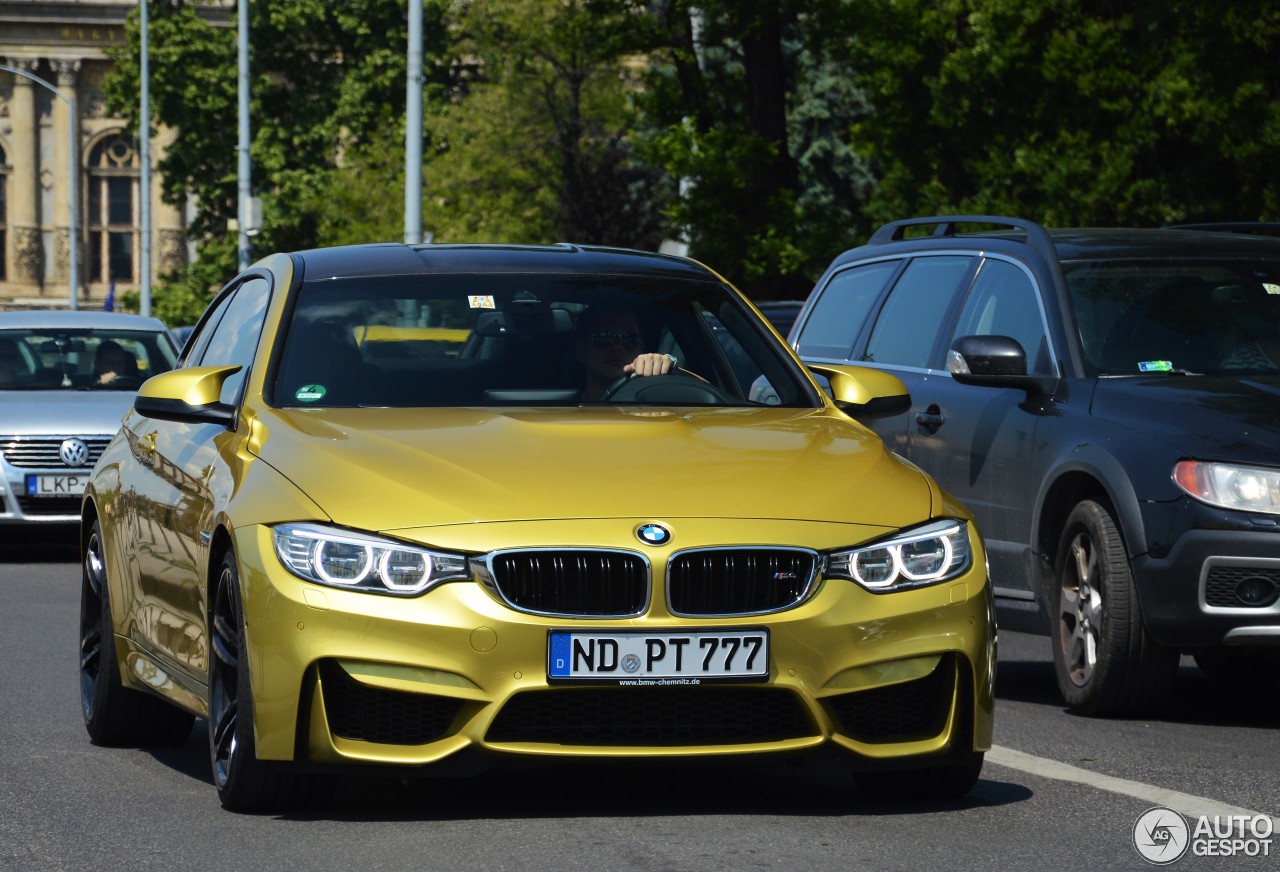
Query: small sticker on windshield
481	302
310	393
1270	288
1155	365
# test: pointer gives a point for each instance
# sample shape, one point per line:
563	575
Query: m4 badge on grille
654	534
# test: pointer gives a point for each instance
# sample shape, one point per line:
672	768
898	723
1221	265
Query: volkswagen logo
654	534
74	452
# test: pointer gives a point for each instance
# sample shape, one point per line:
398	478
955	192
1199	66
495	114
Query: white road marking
1188	805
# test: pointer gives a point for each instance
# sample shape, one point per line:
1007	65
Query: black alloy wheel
244	782
115	714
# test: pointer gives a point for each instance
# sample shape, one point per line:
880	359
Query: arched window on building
4	215
113	198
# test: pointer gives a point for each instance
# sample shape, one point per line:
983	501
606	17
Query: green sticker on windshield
310	393
1144	366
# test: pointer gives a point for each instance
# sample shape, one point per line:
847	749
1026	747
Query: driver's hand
106	378
649	364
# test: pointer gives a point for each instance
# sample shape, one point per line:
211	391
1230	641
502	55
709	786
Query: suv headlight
355	561
1230	486
912	558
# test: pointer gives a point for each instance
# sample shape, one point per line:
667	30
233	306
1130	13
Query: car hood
62	413
1234	419
387	469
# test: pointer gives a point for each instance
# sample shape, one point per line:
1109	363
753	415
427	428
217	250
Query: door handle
931	418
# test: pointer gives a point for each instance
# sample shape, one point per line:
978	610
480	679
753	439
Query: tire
115	714
948	781
244	782
1105	661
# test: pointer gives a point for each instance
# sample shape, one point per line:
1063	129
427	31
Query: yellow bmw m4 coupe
409	509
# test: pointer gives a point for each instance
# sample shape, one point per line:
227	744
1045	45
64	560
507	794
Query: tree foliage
1071	112
768	134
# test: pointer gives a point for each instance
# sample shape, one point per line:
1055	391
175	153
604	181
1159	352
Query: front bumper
344	677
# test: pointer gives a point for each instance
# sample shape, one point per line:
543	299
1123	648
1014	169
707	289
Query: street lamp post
413	130
144	146
244	184
73	268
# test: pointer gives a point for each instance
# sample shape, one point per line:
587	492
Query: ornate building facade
65	44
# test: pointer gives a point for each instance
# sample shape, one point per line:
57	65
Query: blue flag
109	304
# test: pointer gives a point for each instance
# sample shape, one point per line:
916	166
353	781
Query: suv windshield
81	359
1201	316
515	340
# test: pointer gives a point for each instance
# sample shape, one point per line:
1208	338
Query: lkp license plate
658	658
62	485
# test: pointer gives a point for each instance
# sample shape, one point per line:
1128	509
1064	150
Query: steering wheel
673	387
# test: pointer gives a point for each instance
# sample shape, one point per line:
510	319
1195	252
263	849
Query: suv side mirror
995	361
864	393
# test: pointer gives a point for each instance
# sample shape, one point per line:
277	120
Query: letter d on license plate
652	658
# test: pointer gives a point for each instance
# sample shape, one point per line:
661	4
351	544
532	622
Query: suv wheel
1105	661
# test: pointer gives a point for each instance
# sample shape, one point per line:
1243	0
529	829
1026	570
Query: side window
1003	302
197	342
908	325
235	337
841	310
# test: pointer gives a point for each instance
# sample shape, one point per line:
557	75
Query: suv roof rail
1037	236
1257	228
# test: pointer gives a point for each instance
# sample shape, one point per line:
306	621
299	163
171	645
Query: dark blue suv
1107	402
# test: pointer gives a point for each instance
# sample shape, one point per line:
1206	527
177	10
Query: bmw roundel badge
654	534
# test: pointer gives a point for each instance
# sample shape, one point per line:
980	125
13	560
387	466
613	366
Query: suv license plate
653	658
57	485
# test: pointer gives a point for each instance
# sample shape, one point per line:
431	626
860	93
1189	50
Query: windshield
516	340
1210	316
81	359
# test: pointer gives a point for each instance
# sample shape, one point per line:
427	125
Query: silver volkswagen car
66	380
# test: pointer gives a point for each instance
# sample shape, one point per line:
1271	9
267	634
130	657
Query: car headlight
1230	486
355	561
911	558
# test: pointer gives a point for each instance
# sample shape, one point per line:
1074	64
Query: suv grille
657	716
388	717
739	581
904	712
41	452
573	583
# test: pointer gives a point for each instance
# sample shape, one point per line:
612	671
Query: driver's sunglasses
611	338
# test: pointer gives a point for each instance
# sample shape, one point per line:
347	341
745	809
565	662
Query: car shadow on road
812	786
1196	700
40	544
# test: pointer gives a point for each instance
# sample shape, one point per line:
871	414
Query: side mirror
995	361
187	395
864	393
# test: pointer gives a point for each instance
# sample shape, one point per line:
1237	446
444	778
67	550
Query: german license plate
657	658
60	485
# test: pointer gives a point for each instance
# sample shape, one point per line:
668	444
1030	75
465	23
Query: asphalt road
1058	792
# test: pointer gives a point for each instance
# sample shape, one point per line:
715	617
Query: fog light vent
1241	587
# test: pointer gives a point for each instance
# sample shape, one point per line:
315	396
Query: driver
112	362
610	346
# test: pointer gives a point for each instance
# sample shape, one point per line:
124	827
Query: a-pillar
67	72
26	254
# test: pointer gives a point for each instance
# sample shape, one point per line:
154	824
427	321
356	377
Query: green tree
326	80
750	104
1072	112
540	148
